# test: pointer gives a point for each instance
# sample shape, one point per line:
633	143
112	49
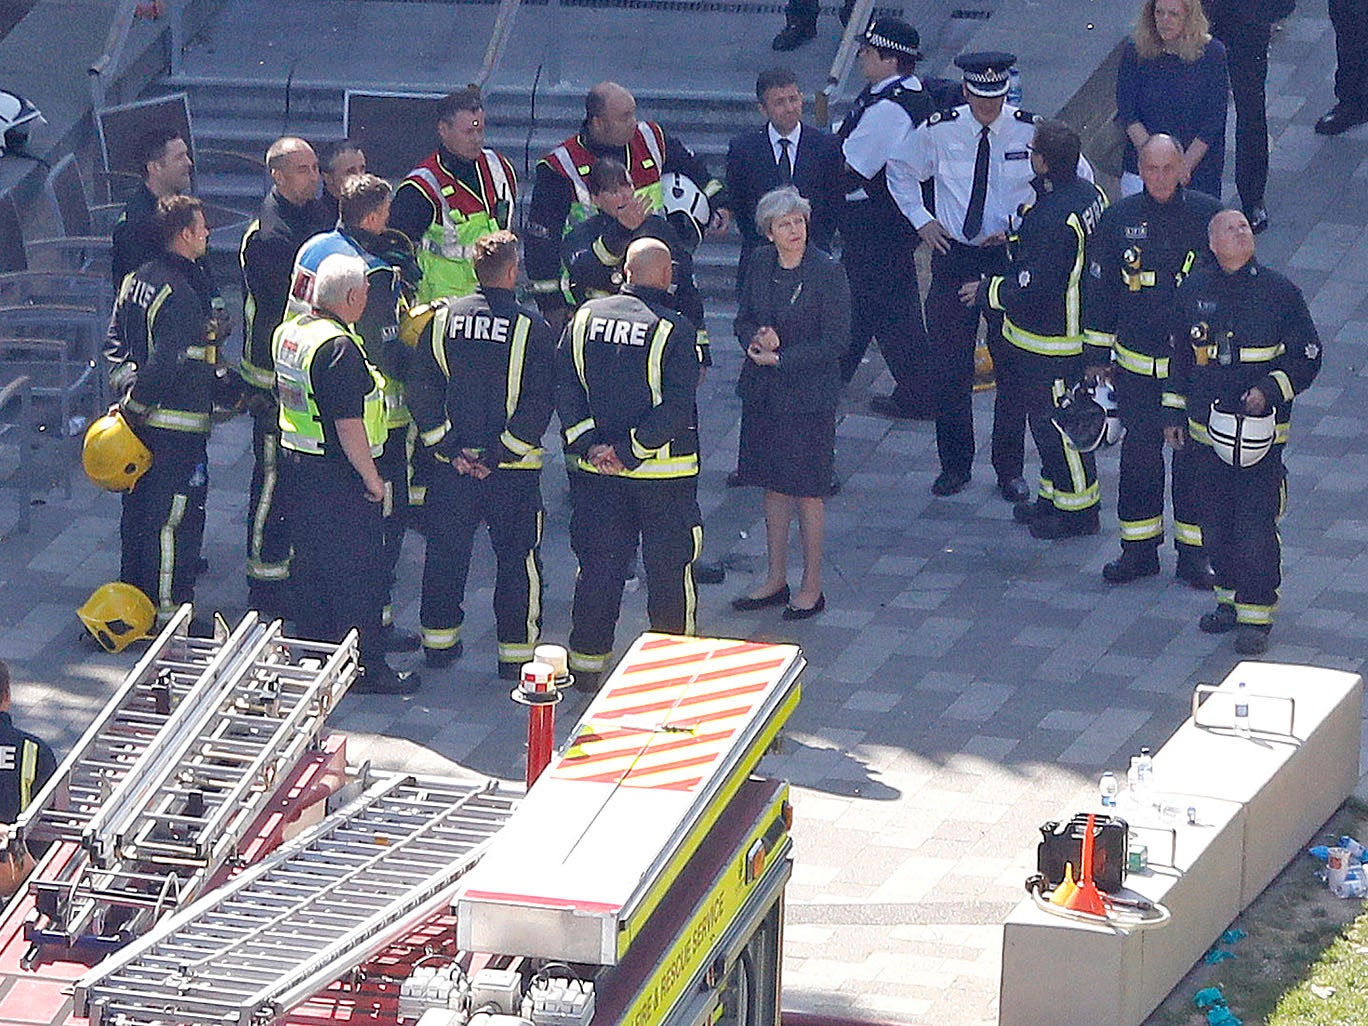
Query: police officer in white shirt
979	156
878	243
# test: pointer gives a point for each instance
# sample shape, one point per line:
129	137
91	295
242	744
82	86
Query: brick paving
966	683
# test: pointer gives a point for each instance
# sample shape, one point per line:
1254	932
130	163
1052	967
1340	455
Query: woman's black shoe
794	613
746	604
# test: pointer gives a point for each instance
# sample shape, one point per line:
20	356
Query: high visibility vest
447	249
295	344
644	156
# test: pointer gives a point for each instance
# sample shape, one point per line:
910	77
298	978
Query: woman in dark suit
794	323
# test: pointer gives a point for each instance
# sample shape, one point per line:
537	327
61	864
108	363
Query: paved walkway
965	684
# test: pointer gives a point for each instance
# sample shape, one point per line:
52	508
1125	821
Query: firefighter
560	191
166	166
1143	249
482	391
392	273
878	241
290	214
626	381
26	761
1244	346
1040	297
164	349
594	250
462	191
332	429
338	162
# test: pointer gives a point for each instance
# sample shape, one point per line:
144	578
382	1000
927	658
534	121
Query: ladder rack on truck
318	907
161	789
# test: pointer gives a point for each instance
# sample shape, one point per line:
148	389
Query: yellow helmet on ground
118	614
113	456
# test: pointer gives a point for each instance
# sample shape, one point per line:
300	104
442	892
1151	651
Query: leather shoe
383	680
1134	564
710	573
794	35
1194	569
1251	639
734	480
439	657
949	483
1257	218
1221	621
889	406
1015	490
1340	118
746	604
794	613
1053	527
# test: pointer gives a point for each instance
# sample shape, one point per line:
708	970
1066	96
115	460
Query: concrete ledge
1257	800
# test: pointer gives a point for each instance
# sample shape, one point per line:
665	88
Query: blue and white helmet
17	118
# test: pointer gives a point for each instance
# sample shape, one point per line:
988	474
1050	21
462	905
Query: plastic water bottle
1144	775
1108	788
1241	710
1014	86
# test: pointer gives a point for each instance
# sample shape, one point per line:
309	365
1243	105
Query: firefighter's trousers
608	516
268	539
1140	492
1240	509
393	467
162	527
1068	478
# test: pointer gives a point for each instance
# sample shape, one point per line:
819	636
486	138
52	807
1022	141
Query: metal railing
503	24
19	393
104	71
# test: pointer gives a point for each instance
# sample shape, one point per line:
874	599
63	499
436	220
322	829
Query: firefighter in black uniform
26	761
1144	248
482	389
625	388
1244	346
163	345
1040	296
879	242
332	429
594	250
290	214
560	194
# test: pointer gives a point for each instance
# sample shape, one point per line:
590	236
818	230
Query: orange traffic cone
1066	887
1087	898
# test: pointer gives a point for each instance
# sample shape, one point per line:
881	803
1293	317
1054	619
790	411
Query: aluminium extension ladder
163	786
316	908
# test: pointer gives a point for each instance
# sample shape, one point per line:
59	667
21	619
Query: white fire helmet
17	118
1239	438
1086	416
685	206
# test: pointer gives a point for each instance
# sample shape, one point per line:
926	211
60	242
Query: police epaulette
949	114
1029	117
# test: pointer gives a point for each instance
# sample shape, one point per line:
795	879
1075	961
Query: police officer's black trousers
162	527
393	467
953	331
1350	18
885	301
1068	478
1140	492
338	534
268	539
608	515
508	503
1247	59
1240	511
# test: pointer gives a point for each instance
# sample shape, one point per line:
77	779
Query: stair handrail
845	57
503	22
102	70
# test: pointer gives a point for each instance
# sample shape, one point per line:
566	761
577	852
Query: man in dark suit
756	164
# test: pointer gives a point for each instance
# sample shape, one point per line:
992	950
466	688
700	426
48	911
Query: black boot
1136	561
1194	568
1221	621
794	35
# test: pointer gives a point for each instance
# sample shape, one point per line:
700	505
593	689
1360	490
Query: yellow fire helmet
118	614
113	456
413	322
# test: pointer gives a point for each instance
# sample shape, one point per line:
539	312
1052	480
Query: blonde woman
1173	79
